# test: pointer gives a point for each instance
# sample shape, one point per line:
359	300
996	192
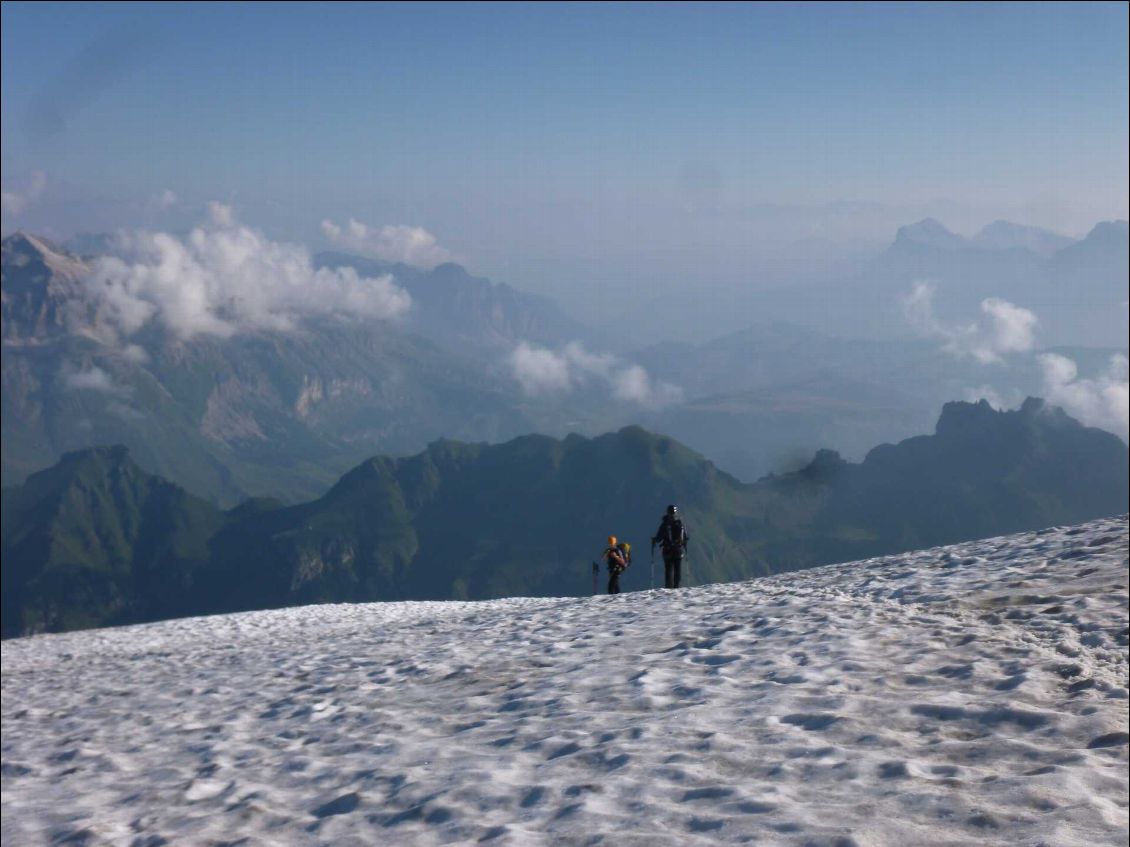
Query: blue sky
524	136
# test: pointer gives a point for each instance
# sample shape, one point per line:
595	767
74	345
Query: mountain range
1076	288
1003	235
286	413
765	398
95	540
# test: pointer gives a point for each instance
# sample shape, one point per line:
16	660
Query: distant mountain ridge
458	311
763	399
999	235
929	232
96	541
1076	288
1003	235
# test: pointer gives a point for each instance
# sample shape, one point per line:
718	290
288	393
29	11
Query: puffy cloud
411	245
586	364
635	386
540	371
1005	327
543	371
225	278
13	203
1012	327
1101	401
92	379
134	353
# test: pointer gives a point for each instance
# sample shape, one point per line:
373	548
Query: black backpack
673	536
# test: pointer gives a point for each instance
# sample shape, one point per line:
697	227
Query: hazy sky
539	141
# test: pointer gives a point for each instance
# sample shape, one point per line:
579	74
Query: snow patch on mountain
966	695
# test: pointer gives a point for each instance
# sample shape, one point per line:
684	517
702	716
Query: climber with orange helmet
617	561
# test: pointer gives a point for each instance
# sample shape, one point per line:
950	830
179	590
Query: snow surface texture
967	695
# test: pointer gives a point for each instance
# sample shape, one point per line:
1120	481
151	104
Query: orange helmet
612	541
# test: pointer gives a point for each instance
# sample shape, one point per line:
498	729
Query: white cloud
1005	327
589	364
542	371
92	379
1101	401
13	203
635	386
135	353
1012	327
411	245
226	278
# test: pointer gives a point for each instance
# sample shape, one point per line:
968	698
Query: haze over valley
239	366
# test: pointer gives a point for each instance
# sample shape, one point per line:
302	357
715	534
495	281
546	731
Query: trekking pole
595	577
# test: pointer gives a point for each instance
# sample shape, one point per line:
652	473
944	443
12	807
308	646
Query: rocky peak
1005	235
1112	233
929	233
824	465
38	279
22	249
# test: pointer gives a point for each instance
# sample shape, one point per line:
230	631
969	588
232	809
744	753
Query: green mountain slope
94	540
527	517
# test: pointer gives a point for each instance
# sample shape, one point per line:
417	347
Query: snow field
967	695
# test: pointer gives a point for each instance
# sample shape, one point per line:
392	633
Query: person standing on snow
672	538
617	564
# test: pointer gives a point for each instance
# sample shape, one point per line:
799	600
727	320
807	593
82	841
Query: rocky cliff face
41	289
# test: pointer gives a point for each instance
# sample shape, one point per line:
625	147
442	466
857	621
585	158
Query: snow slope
968	695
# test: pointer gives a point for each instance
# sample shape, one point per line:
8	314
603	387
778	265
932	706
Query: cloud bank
541	371
411	245
1103	401
1004	327
224	278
